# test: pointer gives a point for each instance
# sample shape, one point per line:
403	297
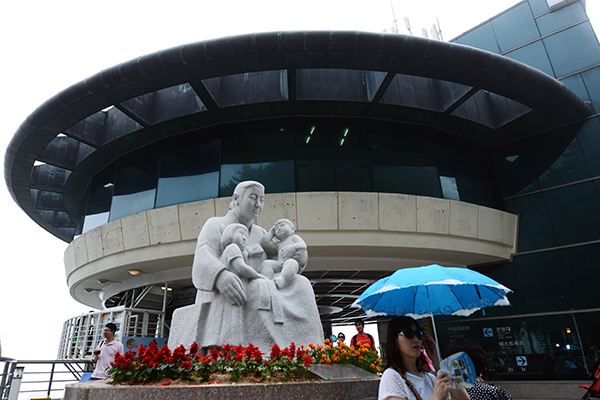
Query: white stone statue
292	254
249	286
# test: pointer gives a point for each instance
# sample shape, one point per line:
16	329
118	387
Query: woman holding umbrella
407	376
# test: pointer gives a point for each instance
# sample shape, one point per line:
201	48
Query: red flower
307	360
275	351
178	354
186	364
194	349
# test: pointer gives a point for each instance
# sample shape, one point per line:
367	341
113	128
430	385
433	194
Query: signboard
185	296
521	361
133	343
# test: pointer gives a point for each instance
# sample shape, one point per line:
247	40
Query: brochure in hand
460	366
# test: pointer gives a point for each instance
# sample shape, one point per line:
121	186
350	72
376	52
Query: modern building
387	151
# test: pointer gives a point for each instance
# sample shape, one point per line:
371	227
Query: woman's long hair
393	357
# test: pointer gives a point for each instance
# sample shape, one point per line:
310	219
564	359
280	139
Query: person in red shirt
362	337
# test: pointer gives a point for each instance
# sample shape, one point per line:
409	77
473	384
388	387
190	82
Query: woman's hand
441	386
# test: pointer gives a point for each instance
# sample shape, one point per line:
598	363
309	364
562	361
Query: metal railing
44	377
6	378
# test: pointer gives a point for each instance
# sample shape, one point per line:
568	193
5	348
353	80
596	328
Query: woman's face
251	202
410	348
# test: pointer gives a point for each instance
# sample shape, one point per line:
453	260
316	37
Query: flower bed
228	364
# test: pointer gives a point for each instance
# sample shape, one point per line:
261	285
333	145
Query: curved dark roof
455	88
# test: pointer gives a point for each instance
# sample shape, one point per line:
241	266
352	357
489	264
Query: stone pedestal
363	389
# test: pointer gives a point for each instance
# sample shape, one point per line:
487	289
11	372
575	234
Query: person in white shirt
106	351
407	376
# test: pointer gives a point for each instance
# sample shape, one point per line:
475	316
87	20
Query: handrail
6	377
52	373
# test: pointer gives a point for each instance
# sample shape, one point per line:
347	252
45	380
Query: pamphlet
460	366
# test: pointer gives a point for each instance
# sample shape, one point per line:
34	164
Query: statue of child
235	256
292	254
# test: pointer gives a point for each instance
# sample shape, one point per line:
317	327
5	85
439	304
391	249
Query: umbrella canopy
432	290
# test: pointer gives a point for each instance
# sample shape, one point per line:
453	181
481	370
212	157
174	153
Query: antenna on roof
439	29
395	20
407	23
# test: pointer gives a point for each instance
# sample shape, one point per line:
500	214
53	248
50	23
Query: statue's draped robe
257	322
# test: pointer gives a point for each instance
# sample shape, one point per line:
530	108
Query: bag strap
410	385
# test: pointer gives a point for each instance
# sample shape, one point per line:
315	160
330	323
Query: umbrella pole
437	341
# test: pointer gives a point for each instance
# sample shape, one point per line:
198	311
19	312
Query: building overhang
458	89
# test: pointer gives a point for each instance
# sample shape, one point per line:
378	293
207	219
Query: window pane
189	170
135	186
534	55
551	22
535	230
277	177
574	213
482	38
515	27
566	57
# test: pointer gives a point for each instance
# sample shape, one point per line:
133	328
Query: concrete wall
344	230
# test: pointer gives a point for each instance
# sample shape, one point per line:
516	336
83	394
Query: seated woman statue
244	309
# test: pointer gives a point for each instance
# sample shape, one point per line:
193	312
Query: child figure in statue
235	256
292	254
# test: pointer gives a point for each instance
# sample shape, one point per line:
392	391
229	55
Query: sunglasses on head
409	333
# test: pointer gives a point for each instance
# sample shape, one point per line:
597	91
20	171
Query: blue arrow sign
521	361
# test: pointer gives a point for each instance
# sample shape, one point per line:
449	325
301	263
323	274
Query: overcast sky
49	45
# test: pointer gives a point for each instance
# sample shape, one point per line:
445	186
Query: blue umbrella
432	290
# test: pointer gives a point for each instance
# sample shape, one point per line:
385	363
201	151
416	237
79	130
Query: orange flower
321	361
327	347
378	368
378	361
320	347
312	346
328	361
327	341
372	366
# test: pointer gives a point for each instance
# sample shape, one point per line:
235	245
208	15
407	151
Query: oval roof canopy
454	88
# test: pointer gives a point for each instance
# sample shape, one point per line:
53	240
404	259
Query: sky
47	46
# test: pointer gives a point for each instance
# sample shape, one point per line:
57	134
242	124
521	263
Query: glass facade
557	197
291	155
